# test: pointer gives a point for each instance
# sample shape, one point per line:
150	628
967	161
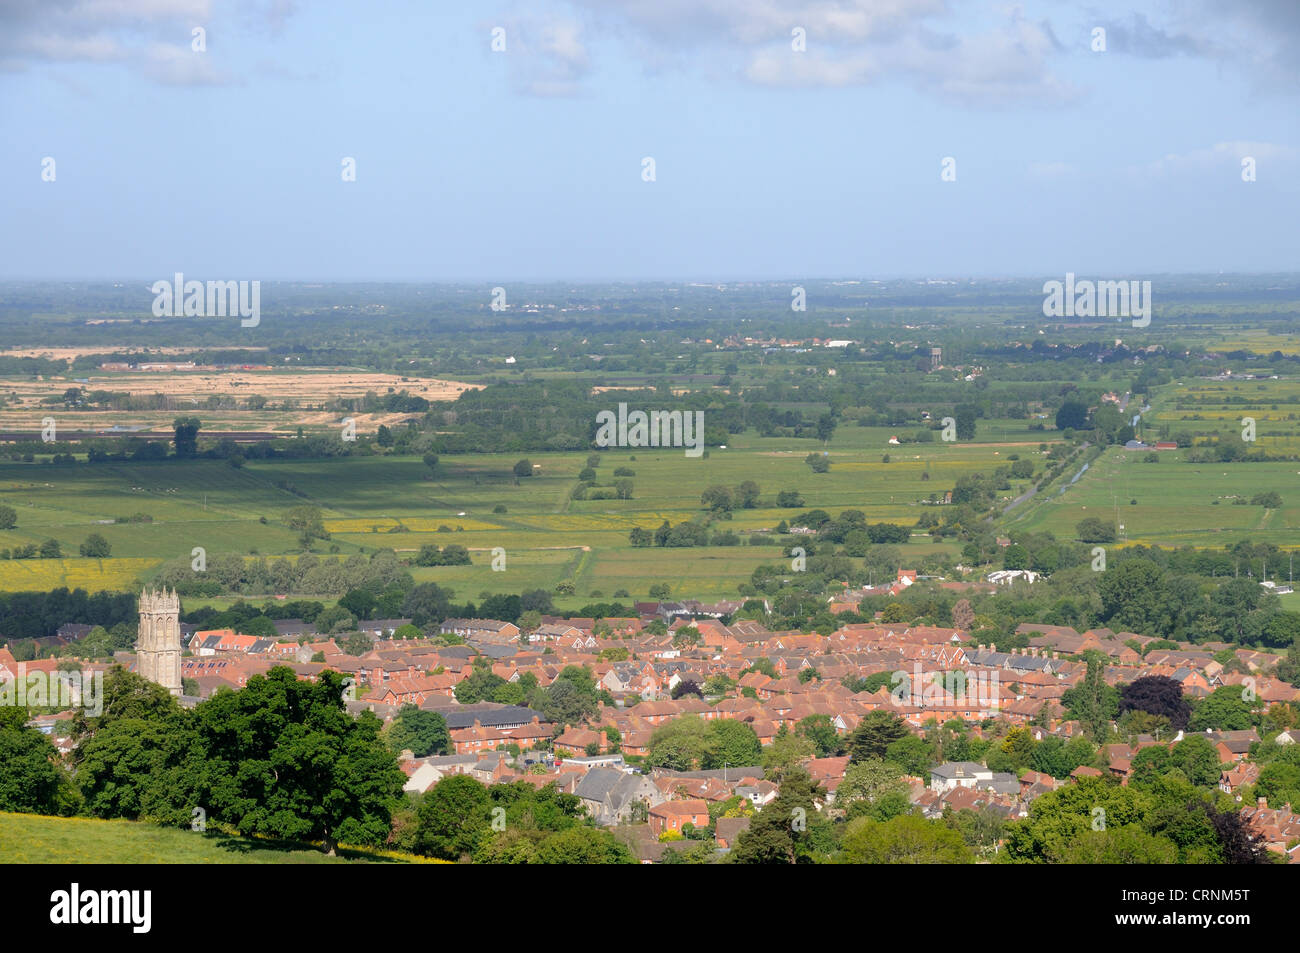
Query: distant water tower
936	358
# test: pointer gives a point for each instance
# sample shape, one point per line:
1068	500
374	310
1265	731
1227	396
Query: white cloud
1226	155
545	57
151	36
848	43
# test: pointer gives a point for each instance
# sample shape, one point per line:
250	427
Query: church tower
158	643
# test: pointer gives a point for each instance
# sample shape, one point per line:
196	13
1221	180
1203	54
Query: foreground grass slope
36	839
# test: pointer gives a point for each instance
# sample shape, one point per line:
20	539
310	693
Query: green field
35	839
396	502
382	502
1180	503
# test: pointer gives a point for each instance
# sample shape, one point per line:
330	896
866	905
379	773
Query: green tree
423	732
141	769
1059	818
821	732
1129	844
868	781
1093	702
1134	597
680	744
790	829
29	778
282	757
731	742
186	436
1222	710
874	734
907	839
572	697
480	685
1073	415
96	547
583	845
453	815
785	752
965	417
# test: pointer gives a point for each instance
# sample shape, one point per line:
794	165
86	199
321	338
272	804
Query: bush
96	547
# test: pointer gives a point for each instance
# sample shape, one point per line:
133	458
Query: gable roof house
609	794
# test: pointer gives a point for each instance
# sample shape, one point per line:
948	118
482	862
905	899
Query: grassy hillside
33	839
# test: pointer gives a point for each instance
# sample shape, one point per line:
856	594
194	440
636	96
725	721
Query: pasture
397	502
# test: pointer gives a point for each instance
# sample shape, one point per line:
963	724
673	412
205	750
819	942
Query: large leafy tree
1156	695
186	436
29	776
427	603
732	743
1134	597
481	684
819	730
906	839
1129	844
1224	709
785	752
790	829
285	759
423	732
453	815
874	734
141	769
869	782
1060	818
583	845
1093	702
1073	415
571	698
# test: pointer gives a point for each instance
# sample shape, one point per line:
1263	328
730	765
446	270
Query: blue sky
527	164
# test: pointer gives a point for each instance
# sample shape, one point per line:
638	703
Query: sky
529	162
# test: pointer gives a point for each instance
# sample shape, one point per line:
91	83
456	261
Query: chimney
1261	803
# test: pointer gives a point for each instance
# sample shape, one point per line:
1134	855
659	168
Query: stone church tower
158	643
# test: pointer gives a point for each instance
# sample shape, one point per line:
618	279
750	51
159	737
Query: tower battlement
158	639
160	601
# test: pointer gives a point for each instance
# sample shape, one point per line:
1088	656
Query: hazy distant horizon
455	282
